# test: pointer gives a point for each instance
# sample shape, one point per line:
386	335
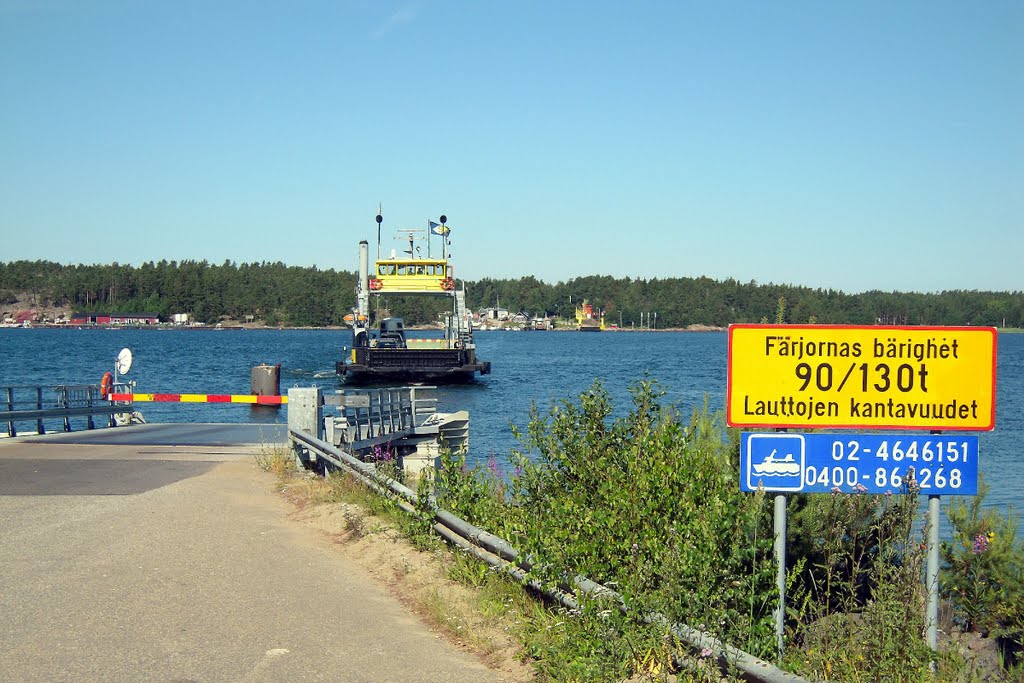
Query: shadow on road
93	477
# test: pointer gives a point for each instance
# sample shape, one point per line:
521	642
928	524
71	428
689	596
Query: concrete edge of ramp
167	434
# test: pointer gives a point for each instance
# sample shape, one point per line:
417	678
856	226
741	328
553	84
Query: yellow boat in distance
587	320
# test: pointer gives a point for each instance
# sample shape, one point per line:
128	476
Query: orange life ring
106	384
448	284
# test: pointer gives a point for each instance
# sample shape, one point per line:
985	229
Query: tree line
277	294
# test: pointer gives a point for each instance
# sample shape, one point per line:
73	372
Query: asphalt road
176	564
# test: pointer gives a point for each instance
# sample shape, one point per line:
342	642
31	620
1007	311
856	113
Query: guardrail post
40	429
391	410
305	415
11	431
62	398
89	423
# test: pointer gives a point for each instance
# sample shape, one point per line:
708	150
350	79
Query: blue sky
854	146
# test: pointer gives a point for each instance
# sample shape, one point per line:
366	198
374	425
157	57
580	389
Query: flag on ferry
438	229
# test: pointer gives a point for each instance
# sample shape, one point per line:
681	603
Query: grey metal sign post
932	574
780	576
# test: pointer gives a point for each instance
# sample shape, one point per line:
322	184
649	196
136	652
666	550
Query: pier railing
365	418
375	413
26	404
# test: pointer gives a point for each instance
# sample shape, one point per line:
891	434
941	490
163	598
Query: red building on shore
114	319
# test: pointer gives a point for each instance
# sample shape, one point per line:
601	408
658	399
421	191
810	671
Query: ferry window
431	269
381	269
401	269
419	270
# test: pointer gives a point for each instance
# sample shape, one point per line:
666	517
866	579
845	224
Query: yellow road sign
870	377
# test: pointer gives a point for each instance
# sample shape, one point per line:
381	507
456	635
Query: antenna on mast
380	219
444	237
410	234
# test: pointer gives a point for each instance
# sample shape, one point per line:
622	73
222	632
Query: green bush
983	571
476	494
856	605
650	506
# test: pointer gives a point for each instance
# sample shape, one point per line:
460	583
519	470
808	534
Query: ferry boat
771	465
587	320
381	349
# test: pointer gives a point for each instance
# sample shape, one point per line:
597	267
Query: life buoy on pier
448	284
106	384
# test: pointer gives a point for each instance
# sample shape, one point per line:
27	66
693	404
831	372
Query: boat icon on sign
773	466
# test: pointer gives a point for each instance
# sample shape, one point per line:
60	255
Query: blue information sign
938	464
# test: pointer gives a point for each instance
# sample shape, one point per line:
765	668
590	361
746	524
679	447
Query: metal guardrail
499	554
19	404
374	416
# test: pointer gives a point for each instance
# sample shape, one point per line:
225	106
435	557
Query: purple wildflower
836	490
706	652
980	544
494	467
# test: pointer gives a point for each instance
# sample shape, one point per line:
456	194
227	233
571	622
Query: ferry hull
412	365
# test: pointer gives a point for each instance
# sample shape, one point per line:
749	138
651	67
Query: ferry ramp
162	552
173	434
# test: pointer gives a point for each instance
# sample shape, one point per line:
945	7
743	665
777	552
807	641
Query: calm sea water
528	367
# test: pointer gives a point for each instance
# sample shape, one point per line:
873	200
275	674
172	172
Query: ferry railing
20	404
